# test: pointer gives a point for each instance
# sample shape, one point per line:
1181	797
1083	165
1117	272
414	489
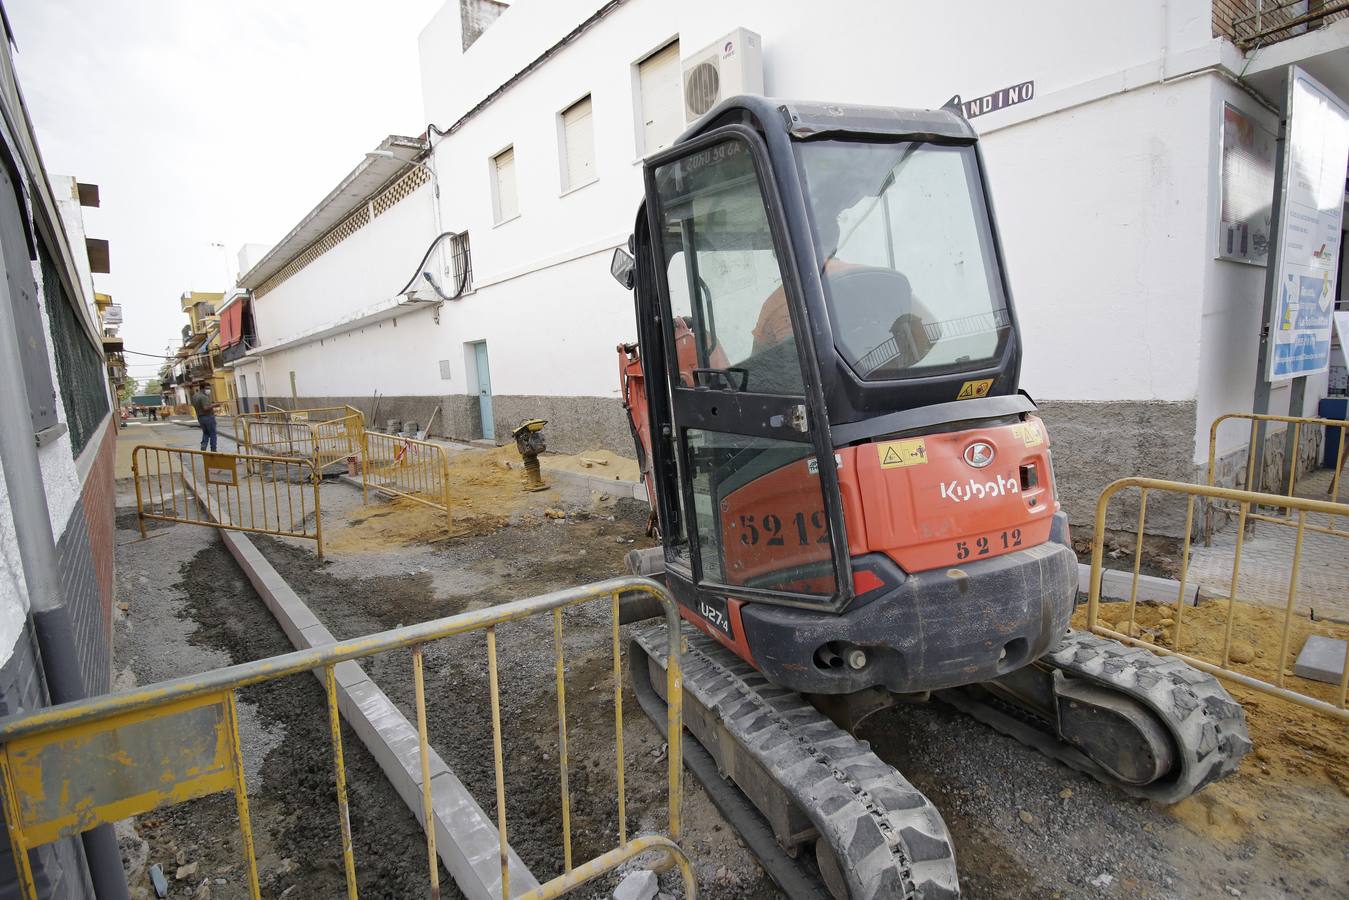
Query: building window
660	114
577	133
505	202
461	265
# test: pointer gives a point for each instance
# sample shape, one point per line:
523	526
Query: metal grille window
461	264
79	366
506	204
662	98
578	145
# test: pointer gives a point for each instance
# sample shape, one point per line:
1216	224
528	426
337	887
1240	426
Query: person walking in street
205	409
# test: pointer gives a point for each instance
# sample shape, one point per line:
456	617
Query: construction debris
639	885
1321	659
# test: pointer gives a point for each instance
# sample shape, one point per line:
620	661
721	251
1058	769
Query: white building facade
1104	163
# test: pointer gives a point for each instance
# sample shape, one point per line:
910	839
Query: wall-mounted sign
1315	160
1247	173
113	314
1008	96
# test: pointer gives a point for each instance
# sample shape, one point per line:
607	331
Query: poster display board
1308	249
1247	171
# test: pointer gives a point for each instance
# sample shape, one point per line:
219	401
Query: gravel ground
1023	825
189	610
369	592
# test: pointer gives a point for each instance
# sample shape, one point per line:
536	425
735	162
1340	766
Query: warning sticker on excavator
897	454
972	389
1029	434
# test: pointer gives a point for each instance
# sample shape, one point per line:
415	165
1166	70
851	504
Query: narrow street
1026	826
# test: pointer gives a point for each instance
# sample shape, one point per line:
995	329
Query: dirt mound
485	495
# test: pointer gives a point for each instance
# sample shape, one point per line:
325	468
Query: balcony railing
1258	23
237	350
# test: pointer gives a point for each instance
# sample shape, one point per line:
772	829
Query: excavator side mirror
623	268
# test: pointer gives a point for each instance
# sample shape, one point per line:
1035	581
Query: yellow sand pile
485	494
599	463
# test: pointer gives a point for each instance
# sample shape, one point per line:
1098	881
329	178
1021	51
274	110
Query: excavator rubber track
883	837
1206	726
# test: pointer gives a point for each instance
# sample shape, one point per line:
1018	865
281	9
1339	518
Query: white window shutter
578	145
662	98
508	203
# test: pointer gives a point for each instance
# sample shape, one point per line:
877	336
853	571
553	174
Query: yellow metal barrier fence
1297	423
337	439
240	491
69	768
325	442
406	467
277	438
306	414
1219	664
242	421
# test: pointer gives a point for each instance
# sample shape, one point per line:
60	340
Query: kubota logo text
978	490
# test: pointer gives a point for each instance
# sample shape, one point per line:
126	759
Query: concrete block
1321	659
349	674
464	826
1117	584
638	885
313	636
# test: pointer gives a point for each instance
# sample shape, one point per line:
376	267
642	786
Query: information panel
1316	158
1247	188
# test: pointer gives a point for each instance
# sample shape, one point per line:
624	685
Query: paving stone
1267	557
1321	659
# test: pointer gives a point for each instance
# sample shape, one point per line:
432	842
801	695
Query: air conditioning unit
726	67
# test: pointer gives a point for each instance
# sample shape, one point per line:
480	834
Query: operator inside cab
908	330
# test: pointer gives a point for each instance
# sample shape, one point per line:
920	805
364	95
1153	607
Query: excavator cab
822	282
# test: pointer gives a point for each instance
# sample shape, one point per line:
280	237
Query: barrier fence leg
140	503
503	848
428	811
241	800
340	776
318	515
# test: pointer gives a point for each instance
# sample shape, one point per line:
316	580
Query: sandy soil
599	463
485	495
1285	810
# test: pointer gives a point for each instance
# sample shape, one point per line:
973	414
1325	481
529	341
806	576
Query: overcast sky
208	123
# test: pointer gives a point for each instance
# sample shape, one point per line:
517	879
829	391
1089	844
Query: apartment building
1108	131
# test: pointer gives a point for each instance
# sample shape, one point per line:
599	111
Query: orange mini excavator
855	500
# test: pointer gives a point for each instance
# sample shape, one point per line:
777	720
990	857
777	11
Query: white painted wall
397	356
1095	202
365	270
1105	187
